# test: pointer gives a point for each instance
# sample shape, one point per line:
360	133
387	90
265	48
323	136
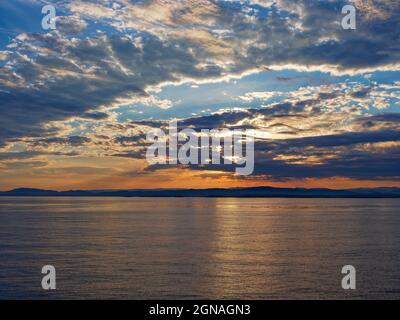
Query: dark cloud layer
53	76
360	155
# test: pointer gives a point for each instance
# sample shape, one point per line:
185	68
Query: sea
199	248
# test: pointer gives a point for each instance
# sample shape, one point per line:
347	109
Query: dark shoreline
257	192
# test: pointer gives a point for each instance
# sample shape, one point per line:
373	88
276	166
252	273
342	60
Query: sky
76	102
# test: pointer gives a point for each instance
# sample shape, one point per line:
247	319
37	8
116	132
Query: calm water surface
168	248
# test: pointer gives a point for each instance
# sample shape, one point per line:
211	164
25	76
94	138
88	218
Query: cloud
4	156
74	141
155	101
75	77
308	138
4	55
95	115
70	25
250	96
74	73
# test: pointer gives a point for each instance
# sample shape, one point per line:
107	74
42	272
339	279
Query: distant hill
258	192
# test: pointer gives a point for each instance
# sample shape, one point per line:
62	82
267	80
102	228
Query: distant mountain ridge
256	192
